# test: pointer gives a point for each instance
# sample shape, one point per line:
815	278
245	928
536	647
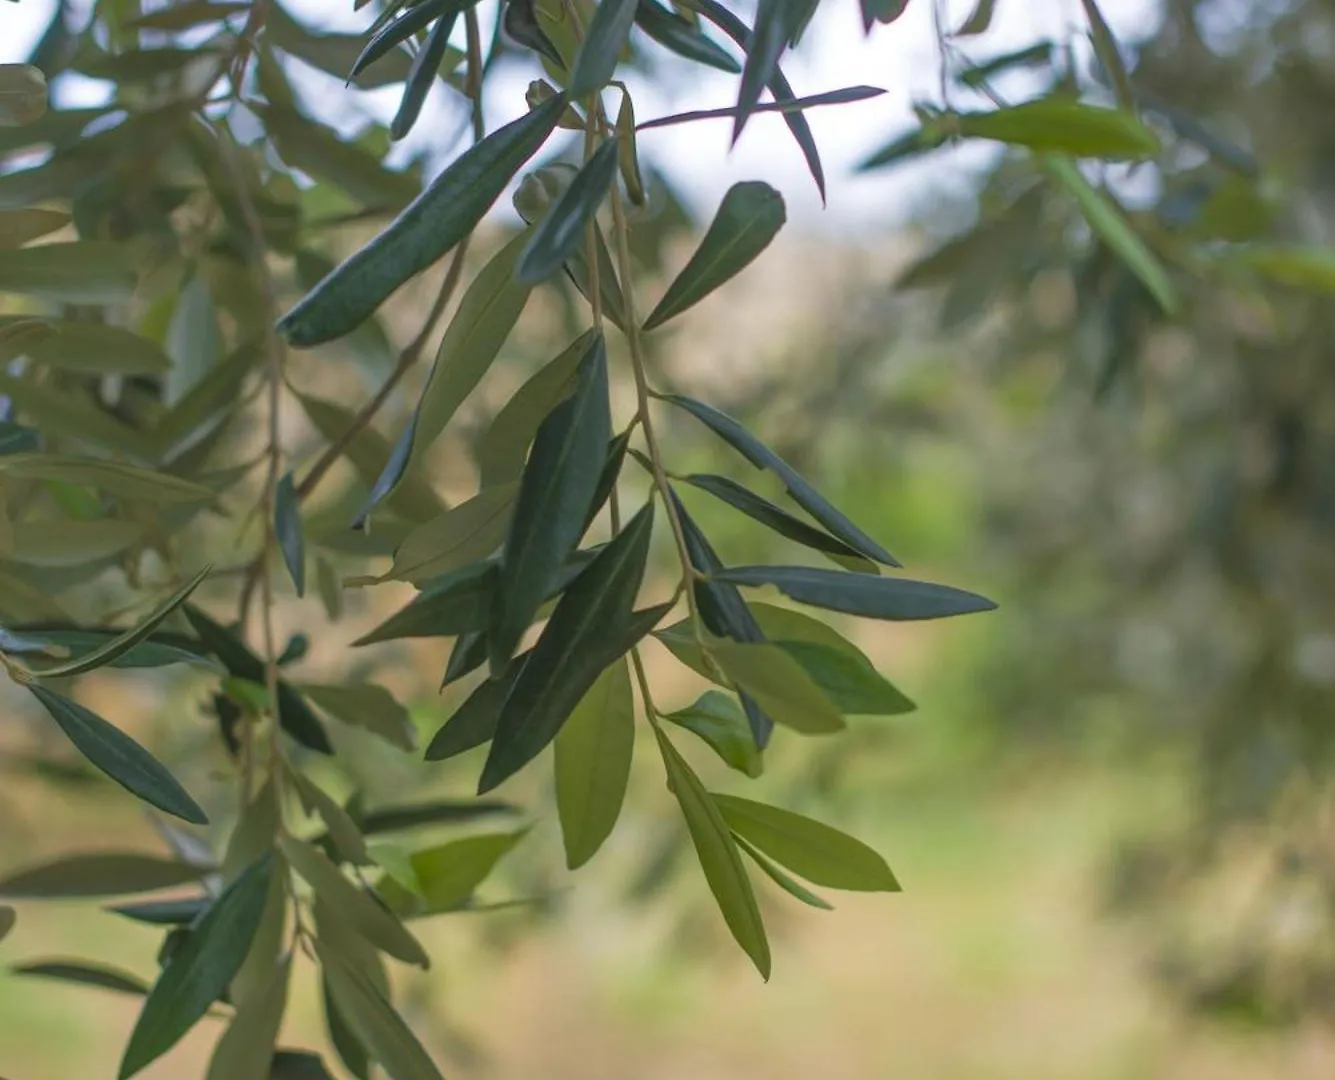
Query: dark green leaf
474	722
593	625
432	224
882	11
869	597
369	707
348	1047
560	233
681	37
159	650
358	908
789	885
979	19
119	646
607	479
909	145
822	855
521	23
201	969
593	759
628	153
603	44
722	723
441	812
750	216
777	22
73	415
718	857
806	496
457	603
179	912
98	875
1109	55
726	21
782	522
1031	56
17	439
846	96
120	757
426	65
368	1013
555	492
415	19
294	715
287	531
298	1065
84	974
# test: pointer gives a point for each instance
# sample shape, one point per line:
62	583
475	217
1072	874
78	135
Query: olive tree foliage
123	222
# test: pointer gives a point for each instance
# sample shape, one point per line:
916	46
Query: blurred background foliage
1111	813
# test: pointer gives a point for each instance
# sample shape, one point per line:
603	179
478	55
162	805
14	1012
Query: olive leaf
563	229
723	724
896	599
288	532
683	38
602	47
426	64
103	874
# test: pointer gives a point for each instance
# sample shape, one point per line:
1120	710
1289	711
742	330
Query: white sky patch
901	58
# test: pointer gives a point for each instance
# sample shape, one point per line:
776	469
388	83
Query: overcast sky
901	58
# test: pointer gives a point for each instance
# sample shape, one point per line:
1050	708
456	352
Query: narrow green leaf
593	625
778	684
294	715
502	450
115	478
473	723
74	272
17	439
1061	126
7	920
457	603
603	45
789	885
847	96
118	646
560	233
806	496
979	20
343	831
683	38
246	1048
368	1012
160	651
1310	268
103	874
750	216
488	312
17	227
895	599
432	224
175	912
555	493
96	349
416	18
722	723
329	588
628	153
335	54
369	707
777	22
426	66
72	415
450	873
593	759
120	757
82	973
57	543
461	536
718	856
1107	220
361	910
201	969
822	855
779	520
349	1048
726	21
438	812
287	531
835	664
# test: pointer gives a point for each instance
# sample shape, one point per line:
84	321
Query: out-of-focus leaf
287	530
343	831
7	920
721	723
562	230
1109	55
593	760
369	707
72	416
358	908
17	439
750	216
718	856
246	1048
802	492
683	38
593	625
979	20
330	588
1031	56
432	224
911	144
113	477
298	1065
119	756
194	338
1310	268
73	272
188	14
1106	219
200	970
22	94
96	349
1061	126
822	855
102	874
333	53
82	973
555	493
59	542
17	227
119	646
